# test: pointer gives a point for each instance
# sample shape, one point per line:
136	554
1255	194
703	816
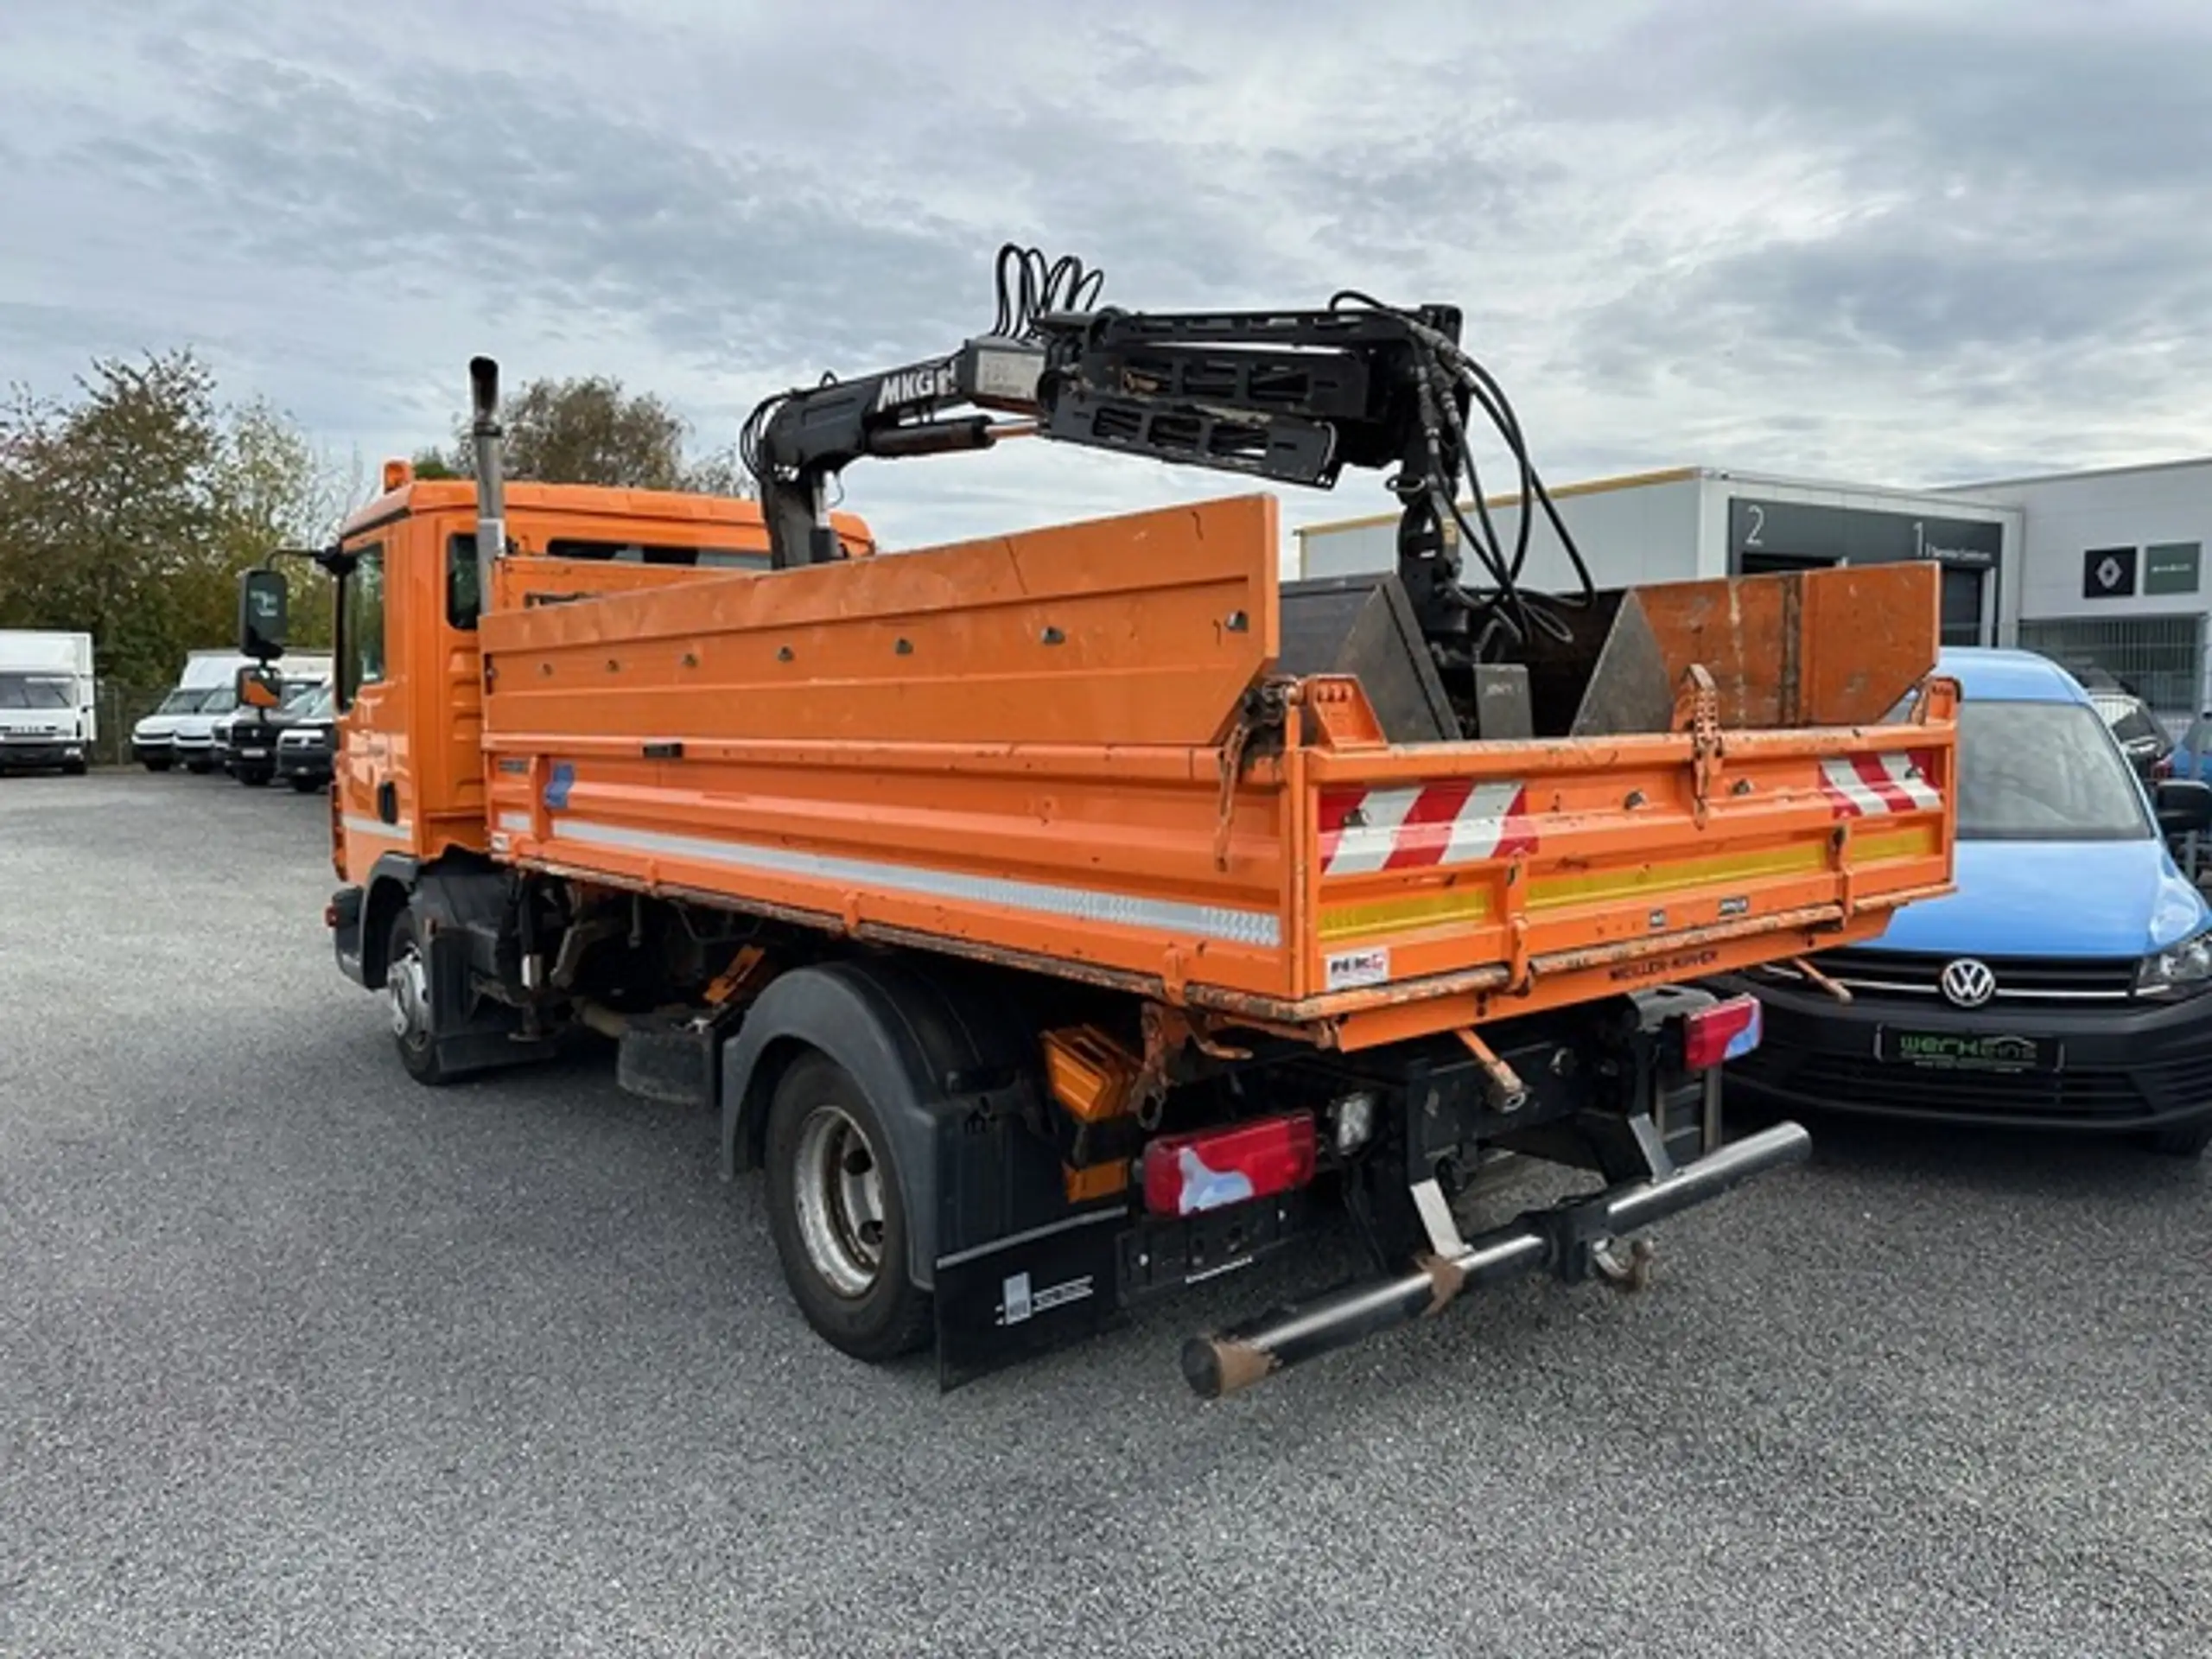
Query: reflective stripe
1367	846
403	830
1253	927
1422	826
514	821
1877	786
1905	773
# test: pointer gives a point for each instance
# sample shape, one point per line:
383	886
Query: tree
589	430
129	511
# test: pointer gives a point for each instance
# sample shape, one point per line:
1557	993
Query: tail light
1186	1173
1726	1031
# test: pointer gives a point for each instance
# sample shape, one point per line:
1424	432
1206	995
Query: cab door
371	766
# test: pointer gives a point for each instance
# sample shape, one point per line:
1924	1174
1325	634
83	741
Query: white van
153	739
47	717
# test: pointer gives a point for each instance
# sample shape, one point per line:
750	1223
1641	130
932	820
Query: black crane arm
1291	396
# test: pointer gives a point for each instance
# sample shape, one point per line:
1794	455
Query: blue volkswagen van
2066	984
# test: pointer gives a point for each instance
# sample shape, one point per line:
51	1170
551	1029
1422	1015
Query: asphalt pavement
297	1357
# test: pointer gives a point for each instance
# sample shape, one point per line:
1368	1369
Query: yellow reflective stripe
1890	845
1677	877
1883	847
1459	904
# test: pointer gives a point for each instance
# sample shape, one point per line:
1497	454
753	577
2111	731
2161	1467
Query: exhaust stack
487	434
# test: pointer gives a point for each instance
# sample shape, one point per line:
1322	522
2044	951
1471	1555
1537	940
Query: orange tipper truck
1059	918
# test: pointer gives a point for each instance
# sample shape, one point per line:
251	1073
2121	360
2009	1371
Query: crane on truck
1057	919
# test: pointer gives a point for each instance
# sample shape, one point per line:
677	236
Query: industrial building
2101	568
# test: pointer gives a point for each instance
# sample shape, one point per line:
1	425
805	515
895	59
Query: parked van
154	740
2066	984
47	714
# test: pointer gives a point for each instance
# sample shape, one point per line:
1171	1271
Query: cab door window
361	659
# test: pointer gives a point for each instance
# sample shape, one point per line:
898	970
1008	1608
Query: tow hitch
1577	1240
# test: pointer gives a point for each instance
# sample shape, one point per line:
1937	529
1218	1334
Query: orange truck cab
408	768
1058	918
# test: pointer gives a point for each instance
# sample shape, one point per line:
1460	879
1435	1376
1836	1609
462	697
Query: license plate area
1954	1051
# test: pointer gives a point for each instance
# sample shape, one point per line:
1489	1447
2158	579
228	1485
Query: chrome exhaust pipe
1562	1239
488	438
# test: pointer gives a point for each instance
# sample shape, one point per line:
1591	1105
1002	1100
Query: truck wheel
155	765
2182	1141
407	986
305	785
74	768
838	1217
254	779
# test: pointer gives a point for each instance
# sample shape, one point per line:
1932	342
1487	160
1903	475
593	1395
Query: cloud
1891	242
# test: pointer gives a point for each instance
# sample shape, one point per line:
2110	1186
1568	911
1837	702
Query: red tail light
1185	1174
1725	1031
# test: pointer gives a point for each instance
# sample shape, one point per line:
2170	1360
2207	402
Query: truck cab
46	713
408	768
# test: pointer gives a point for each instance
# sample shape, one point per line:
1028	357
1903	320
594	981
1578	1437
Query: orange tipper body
1028	749
1047	944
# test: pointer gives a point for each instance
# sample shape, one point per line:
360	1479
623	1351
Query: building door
1963	594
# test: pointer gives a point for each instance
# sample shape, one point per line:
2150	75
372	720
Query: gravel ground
296	1358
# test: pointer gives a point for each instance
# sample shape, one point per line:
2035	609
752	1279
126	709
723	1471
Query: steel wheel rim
839	1184
408	986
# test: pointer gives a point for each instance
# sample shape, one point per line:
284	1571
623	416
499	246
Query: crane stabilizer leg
1567	1238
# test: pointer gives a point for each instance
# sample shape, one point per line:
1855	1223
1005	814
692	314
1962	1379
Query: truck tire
75	768
305	785
407	988
155	765
2182	1141
836	1214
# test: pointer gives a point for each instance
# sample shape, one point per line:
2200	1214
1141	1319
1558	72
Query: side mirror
260	688
264	604
2185	805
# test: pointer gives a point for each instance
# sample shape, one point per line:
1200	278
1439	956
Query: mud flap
1002	1303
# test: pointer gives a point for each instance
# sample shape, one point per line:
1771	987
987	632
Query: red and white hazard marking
1422	825
1871	785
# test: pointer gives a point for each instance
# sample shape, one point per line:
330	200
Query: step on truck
1057	919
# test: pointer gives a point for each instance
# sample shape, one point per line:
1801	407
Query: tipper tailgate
1534	873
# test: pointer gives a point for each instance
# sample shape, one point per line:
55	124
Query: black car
2142	739
246	743
305	745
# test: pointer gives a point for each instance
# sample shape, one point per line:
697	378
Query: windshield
2043	771
181	702
317	705
300	694
220	701
34	691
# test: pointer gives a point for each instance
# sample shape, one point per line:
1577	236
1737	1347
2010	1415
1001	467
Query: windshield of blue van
2043	771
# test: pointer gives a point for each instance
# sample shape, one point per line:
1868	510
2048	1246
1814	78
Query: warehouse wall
2154	524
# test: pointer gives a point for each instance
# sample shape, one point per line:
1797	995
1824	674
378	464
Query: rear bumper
2121	1067
1565	1239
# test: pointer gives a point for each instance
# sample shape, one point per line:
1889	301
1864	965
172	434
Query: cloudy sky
1906	243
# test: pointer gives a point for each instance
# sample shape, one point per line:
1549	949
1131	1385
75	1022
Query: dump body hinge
1259	729
1697	711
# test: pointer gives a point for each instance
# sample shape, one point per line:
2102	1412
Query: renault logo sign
1968	983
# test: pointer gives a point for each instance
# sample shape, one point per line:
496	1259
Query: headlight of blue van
2189	963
